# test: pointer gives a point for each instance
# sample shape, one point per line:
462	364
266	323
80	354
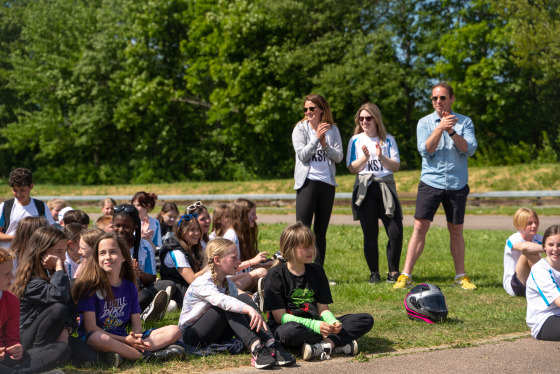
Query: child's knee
98	340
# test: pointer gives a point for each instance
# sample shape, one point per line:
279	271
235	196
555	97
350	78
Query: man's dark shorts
518	288
429	198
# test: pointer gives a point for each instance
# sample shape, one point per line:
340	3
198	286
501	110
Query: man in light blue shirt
445	140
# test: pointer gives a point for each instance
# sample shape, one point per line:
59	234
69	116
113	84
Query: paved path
524	355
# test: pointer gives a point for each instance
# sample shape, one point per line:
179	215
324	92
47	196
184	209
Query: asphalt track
503	354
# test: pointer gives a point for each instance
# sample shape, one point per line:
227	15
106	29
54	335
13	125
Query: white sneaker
348	349
172	307
321	350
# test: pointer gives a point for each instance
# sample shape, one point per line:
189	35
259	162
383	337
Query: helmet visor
435	303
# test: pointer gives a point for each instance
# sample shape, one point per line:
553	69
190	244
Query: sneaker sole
266	366
159	302
284	362
307	352
260	292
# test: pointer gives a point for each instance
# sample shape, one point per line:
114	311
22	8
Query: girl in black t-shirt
297	297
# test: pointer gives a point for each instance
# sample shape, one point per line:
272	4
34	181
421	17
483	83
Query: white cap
63	212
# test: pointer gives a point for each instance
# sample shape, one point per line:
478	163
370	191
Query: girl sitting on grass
244	234
220	221
167	219
182	259
13	359
523	249
107	301
204	221
213	311
87	241
47	312
543	292
297	297
26	228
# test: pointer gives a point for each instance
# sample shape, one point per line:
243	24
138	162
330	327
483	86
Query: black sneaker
148	356
393	278
156	307
169	353
112	359
374	277
283	357
262	357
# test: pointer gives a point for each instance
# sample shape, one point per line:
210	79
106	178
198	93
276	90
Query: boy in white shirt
22	205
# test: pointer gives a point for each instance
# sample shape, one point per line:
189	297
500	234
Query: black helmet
426	302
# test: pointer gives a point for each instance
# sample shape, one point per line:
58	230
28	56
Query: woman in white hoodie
318	147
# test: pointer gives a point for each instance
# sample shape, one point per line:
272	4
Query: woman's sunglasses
311	109
192	207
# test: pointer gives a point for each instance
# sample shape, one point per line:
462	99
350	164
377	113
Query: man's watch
453	133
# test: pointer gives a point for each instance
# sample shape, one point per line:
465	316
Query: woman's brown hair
26	228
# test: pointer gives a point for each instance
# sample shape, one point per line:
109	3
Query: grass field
473	315
498	178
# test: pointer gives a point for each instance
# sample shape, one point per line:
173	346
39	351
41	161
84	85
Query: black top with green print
299	295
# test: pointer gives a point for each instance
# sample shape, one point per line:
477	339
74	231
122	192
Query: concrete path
524	355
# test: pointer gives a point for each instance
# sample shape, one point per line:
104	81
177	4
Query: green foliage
123	91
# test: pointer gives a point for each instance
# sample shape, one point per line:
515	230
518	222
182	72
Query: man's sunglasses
442	98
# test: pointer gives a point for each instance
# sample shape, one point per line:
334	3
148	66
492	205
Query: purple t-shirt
111	317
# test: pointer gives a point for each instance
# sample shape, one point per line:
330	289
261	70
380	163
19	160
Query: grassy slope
499	178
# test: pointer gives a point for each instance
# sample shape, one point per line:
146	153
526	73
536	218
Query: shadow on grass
376	345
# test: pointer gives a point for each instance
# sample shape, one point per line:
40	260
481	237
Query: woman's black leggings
217	325
369	212
550	330
316	198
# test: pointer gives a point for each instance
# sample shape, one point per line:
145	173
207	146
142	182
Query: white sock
459	275
408	275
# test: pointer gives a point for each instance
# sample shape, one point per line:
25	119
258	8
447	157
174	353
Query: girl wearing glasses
373	155
182	255
318	147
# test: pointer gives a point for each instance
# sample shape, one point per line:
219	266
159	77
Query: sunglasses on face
311	109
126	209
187	218
367	119
192	207
442	98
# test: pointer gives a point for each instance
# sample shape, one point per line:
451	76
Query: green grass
481	179
473	315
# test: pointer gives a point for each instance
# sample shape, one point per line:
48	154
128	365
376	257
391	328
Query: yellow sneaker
403	281
464	282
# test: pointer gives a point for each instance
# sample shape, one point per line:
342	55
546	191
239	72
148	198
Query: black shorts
429	198
518	288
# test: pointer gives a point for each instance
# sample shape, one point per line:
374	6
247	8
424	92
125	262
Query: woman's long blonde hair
377	118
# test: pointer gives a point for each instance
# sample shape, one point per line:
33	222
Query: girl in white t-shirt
244	233
373	156
543	290
523	249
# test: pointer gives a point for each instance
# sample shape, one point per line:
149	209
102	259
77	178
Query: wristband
311	324
328	317
453	133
